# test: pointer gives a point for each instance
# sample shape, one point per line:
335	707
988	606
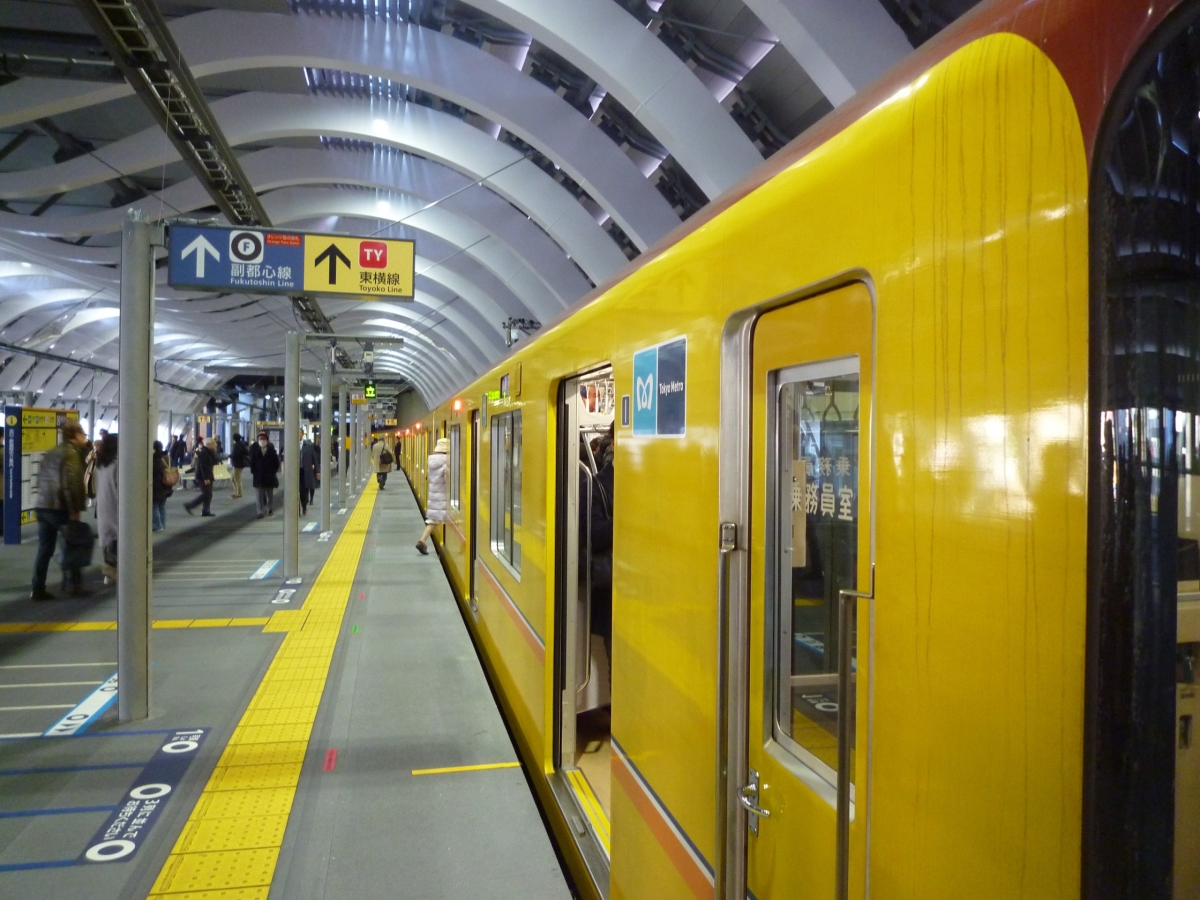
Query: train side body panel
962	203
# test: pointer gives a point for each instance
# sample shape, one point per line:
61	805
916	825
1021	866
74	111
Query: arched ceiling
529	147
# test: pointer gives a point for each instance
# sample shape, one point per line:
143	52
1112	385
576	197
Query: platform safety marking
311	526
250	787
264	570
86	712
284	595
325	535
480	768
125	830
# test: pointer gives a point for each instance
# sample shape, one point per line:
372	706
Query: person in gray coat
435	505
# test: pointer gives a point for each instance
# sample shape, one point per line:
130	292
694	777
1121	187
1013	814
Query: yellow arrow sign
359	266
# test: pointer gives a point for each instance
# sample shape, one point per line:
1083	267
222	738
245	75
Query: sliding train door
583	612
473	512
803	786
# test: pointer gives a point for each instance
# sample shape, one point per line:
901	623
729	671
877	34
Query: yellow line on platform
230	844
507	765
19	627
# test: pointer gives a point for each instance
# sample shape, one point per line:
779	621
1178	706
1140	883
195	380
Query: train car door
474	509
583	611
800	799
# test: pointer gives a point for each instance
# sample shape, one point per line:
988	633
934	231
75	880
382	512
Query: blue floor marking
129	733
51	864
67	811
54	770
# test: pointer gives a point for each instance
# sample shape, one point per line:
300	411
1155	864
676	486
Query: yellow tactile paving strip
16	627
230	844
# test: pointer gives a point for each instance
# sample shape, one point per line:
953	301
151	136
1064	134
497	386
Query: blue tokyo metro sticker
660	390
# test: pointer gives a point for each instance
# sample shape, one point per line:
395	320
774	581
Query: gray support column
343	455
92	419
134	550
326	436
291	458
170	428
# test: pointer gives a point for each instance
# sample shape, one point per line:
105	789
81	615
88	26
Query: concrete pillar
291	458
135	553
323	448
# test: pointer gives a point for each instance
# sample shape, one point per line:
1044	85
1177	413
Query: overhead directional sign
288	262
346	265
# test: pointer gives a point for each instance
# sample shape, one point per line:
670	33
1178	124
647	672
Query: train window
456	466
816	497
1142	788
506	489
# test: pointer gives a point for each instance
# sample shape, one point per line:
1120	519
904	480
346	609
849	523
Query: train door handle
748	798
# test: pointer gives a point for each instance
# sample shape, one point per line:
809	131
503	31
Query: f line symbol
200	247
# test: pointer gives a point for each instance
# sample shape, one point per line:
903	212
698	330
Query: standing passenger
107	497
178	452
308	474
435	507
159	489
61	497
264	467
239	458
203	461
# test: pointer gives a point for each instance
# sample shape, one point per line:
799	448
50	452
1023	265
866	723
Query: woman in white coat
107	497
436	503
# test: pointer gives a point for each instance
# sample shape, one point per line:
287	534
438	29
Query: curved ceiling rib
842	45
222	41
255	117
610	45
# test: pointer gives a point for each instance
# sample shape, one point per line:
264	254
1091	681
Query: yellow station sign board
359	266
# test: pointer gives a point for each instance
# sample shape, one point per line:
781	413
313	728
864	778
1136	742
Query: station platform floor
338	742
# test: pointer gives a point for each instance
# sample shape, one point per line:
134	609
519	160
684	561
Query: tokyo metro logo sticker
660	390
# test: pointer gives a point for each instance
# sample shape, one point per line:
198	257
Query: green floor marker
354	630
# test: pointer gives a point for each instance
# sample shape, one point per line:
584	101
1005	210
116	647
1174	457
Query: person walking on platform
159	489
60	498
203	461
381	461
264	470
435	506
239	458
107	497
308	474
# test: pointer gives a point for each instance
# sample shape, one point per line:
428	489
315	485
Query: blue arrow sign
236	259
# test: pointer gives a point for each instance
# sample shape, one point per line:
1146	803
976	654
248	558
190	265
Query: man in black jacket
264	467
203	461
239	458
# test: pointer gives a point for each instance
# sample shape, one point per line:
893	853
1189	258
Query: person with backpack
239	458
381	461
61	498
162	486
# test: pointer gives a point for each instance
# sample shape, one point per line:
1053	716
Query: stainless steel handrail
727	544
588	576
847	719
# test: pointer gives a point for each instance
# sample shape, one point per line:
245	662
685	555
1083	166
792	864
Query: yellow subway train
846	545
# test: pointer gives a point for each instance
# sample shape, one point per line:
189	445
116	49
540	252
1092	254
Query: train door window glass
1142	828
506	489
455	467
816	538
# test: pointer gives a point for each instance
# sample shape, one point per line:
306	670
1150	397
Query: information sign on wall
28	433
660	390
